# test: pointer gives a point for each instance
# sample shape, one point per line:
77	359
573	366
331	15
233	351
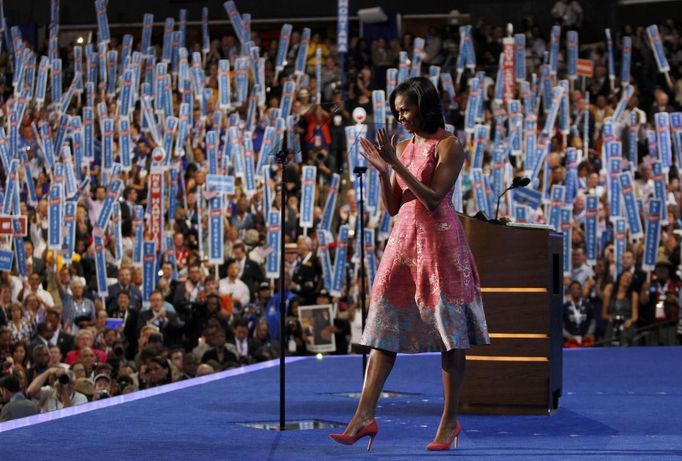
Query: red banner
155	208
508	69
6	229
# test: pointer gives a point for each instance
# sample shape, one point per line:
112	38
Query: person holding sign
426	294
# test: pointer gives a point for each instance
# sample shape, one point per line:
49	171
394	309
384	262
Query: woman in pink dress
426	293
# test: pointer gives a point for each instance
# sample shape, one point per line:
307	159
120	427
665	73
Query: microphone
518	181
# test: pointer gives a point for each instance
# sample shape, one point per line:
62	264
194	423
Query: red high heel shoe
370	430
433	446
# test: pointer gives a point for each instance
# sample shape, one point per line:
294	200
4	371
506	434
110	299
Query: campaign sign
614	166
302	56
527	196
308	187
340	261
660	190
224	84
620	240
557	202
631	209
54	216
100	262
113	192
283	46
155	206
566	228
342	14
478	186
148	269
591	218
215	230
272	261
220	184
138	232
663	139
330	204
653	234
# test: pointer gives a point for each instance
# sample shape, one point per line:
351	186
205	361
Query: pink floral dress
426	294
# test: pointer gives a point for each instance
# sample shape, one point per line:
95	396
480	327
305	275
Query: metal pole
359	171
282	300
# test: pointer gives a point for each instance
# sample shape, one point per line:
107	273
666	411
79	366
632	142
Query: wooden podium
521	273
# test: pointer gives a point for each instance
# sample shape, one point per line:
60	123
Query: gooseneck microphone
518	181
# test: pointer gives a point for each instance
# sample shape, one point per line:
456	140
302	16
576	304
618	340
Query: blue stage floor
618	404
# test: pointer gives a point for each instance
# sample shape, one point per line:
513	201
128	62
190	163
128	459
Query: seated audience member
55	354
245	346
216	338
266	348
15	404
61	338
205	369
579	322
19	326
168	323
156	372
189	366
40	361
80	370
84	339
102	386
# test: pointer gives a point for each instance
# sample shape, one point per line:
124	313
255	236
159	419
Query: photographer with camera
102	387
54	390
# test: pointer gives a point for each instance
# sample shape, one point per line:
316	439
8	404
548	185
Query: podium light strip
513	290
519	335
499	358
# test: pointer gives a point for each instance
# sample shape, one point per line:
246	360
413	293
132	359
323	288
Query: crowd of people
62	342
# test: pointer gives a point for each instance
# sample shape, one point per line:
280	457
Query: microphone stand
359	171
281	157
497	209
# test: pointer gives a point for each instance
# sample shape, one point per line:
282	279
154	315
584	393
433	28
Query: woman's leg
452	371
379	367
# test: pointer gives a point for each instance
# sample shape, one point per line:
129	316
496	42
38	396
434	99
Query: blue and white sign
340	261
274	240
631	209
308	188
653	234
216	254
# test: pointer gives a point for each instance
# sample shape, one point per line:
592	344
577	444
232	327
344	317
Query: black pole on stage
359	171
282	159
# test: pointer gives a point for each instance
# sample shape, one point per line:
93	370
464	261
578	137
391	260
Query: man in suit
189	292
246	347
65	341
124	284
168	323
17	406
307	272
249	271
34	264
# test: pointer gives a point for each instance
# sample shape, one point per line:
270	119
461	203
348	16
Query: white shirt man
231	285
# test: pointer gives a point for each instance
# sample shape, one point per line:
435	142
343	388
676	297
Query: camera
103	395
118	350
64	379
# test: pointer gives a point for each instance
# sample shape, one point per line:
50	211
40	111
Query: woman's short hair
421	92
